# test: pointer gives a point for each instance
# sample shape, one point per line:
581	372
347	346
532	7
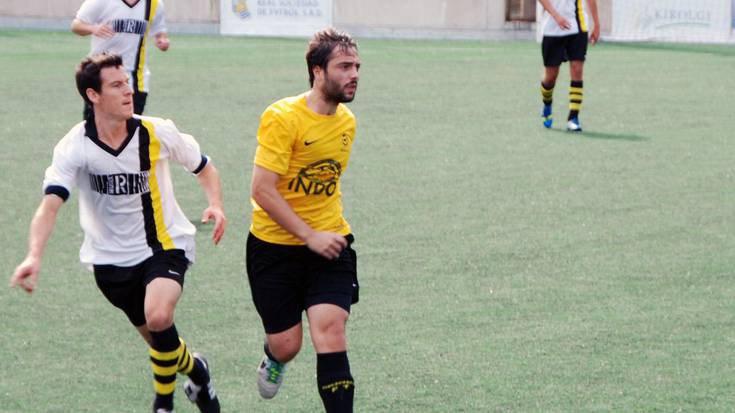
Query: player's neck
111	131
317	102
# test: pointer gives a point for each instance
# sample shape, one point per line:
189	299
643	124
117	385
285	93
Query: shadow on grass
631	137
717	50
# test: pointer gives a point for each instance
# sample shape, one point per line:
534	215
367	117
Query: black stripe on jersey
90	131
140	45
576	15
57	190
201	165
149	220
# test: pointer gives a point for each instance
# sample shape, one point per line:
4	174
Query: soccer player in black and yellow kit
566	34
299	254
137	239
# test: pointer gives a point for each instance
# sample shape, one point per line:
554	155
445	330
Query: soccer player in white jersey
122	27
137	239
566	34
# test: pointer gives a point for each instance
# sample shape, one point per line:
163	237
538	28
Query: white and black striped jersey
132	25
127	207
572	10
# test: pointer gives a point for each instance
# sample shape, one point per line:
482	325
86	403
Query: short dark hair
321	46
88	72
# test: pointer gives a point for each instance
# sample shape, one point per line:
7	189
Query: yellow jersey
310	152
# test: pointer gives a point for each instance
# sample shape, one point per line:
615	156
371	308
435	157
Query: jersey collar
90	131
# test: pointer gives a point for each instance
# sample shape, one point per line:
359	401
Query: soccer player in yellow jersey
299	255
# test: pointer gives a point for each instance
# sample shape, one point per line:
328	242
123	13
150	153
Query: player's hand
327	244
26	274
220	222
595	36
162	42
562	22
103	30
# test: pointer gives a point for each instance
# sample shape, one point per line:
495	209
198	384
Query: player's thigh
124	287
553	50
164	279
276	278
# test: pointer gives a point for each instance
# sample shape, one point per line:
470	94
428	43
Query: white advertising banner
672	20
274	17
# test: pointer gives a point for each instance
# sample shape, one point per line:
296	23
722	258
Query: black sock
336	387
267	352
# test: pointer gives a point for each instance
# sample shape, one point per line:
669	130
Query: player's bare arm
265	193
42	225
561	21
162	42
210	181
595	34
85	29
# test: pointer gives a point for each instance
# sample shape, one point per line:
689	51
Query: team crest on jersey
240	7
120	184
317	178
129	26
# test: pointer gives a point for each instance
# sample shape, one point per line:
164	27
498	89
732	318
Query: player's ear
318	72
92	95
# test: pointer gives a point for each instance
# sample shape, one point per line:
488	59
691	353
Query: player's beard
333	92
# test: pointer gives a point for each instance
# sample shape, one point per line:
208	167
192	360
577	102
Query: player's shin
336	386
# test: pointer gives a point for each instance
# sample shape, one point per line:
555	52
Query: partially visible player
299	250
137	239
565	28
122	27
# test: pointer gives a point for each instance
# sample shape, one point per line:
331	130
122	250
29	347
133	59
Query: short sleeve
159	20
182	147
89	11
61	177
276	137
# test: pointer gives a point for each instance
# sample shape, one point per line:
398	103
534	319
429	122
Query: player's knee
284	349
330	336
159	319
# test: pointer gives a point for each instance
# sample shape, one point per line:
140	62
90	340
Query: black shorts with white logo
285	280
125	287
558	49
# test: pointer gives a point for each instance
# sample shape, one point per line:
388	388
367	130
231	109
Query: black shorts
125	287
285	280
139	99
556	50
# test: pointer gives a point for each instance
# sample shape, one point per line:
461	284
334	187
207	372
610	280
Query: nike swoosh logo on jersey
174	273
307	143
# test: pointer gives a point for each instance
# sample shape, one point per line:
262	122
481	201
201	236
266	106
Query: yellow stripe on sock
575	106
164	389
164	356
576	90
163	371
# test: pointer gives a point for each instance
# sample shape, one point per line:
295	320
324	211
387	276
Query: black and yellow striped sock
547	93
576	90
164	354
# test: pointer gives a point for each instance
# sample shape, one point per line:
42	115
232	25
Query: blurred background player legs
123	27
565	39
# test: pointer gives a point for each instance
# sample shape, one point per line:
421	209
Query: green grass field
504	267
